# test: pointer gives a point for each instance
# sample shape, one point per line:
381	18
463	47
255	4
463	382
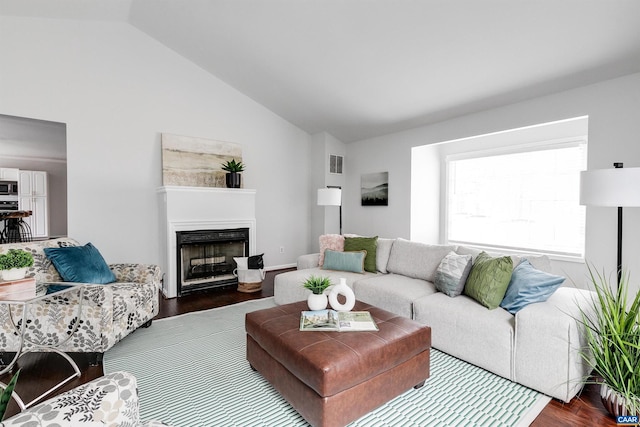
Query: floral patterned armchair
111	400
109	312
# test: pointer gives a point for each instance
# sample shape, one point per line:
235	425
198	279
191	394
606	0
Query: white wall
612	107
117	90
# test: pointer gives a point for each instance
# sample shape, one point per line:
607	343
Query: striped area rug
192	371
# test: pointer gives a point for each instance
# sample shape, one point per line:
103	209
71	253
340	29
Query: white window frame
506	150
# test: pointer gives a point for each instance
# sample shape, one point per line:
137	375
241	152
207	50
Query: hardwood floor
42	370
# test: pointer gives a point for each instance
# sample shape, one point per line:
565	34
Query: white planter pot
317	302
14	273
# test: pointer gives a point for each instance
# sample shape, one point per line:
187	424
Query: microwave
8	188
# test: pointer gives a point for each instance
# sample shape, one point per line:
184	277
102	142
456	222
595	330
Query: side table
52	289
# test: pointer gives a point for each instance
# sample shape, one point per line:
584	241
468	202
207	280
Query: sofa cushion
488	280
335	242
368	244
393	292
416	260
344	261
465	329
452	273
382	253
541	262
82	264
529	285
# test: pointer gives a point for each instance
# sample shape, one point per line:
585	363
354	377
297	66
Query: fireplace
197	209
205	257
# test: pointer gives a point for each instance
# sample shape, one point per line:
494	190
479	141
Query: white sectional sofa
538	347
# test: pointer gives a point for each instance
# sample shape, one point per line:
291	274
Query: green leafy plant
15	258
316	284
232	166
612	330
5	396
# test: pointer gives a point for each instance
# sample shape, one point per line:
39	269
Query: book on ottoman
340	321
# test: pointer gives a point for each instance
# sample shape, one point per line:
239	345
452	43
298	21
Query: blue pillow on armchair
80	264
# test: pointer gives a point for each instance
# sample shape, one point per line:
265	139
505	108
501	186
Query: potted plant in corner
612	331
14	264
317	300
233	169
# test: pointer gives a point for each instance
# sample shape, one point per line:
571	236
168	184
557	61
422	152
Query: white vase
317	302
342	289
14	273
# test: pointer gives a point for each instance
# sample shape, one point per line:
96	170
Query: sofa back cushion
43	269
540	262
416	260
382	253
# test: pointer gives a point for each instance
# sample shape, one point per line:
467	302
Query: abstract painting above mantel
196	162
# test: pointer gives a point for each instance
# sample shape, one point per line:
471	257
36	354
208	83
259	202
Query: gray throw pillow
452	273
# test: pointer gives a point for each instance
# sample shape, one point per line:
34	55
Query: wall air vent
335	164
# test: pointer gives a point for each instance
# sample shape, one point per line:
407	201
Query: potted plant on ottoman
613	344
317	300
14	264
233	169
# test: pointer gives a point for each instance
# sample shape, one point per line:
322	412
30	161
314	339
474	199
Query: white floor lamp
331	196
618	187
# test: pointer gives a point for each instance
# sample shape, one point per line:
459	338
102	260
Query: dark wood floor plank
41	370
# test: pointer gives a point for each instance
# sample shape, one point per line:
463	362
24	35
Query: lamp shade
610	187
329	197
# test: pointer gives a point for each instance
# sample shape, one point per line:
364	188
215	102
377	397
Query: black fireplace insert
205	258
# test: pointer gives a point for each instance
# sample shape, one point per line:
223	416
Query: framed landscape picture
374	189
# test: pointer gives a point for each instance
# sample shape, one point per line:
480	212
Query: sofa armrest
137	273
550	342
308	261
111	399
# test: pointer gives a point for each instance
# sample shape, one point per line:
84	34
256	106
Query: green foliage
5	396
317	285
232	166
613	338
15	258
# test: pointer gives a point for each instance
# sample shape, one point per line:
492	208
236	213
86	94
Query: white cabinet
33	196
8	174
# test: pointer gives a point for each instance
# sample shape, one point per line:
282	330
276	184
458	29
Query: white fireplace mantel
201	208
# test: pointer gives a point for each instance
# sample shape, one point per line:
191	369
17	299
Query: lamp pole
619	166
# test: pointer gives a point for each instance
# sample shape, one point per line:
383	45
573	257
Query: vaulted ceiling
362	68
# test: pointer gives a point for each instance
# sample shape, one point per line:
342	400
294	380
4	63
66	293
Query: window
523	199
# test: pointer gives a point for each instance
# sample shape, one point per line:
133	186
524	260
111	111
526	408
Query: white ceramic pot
317	302
14	273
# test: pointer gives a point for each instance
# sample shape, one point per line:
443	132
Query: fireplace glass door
205	258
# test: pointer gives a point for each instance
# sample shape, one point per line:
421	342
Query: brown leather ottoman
333	378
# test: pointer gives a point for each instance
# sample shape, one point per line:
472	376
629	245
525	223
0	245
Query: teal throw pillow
369	244
80	264
529	285
488	280
344	261
452	273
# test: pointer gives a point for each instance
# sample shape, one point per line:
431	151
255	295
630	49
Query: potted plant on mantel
14	264
317	300
233	169
613	344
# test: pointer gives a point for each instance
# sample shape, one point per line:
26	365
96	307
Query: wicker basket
250	280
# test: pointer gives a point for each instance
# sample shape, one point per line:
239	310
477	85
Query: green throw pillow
488	280
369	244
